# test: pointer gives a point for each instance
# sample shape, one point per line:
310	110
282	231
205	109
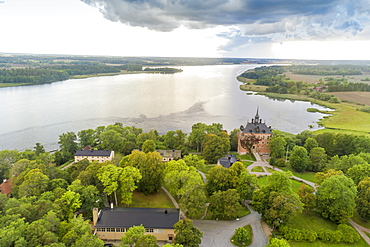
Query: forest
51	206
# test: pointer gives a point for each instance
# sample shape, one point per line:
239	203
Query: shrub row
343	234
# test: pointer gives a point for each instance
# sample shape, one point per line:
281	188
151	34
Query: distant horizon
138	56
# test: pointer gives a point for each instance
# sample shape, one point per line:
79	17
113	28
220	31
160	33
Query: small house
94	155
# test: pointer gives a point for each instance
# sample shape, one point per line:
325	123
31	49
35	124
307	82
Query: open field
356	97
314	79
346	117
304	78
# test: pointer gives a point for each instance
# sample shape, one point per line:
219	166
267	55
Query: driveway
217	233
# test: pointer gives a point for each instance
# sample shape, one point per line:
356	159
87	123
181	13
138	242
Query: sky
284	29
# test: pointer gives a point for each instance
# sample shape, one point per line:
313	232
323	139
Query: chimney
95	216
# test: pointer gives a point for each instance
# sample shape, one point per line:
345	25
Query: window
111	229
158	230
149	230
100	229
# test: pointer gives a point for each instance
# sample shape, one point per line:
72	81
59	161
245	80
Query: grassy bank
346	118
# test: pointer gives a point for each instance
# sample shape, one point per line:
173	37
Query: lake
208	94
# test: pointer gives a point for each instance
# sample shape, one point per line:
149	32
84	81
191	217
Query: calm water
207	94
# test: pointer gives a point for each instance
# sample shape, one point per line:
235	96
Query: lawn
244	156
206	168
313	221
247	163
263	181
157	200
309	176
257	169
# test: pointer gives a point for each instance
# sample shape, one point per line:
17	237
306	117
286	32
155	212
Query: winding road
217	233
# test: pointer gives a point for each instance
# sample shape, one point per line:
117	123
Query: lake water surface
208	94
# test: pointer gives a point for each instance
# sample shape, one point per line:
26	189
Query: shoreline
344	118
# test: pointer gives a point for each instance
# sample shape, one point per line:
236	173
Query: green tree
359	172
7	158
34	184
128	178
194	160
277	147
242	235
147	241
318	159
148	146
219	178
307	196
120	179
68	145
321	176
336	198
151	168
225	204
310	143
234	139
132	236
213	149
111	140
87	138
39	149
187	234
248	183
281	208
299	159
363	198
109	175
69	203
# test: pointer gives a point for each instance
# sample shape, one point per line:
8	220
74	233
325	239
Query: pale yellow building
94	155
112	223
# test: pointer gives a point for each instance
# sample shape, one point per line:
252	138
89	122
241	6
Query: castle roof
256	126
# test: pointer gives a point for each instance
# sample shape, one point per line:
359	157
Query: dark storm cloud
250	20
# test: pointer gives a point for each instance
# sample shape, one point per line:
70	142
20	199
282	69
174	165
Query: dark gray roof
93	152
257	128
156	218
228	160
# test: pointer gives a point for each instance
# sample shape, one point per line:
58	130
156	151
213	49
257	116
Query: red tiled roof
6	187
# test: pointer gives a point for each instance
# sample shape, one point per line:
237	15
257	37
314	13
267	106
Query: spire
256	118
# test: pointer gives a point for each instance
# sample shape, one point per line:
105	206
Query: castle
254	137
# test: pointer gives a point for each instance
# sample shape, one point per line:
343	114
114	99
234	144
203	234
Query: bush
343	234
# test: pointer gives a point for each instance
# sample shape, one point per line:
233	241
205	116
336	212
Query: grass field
157	200
356	97
347	117
309	176
257	169
263	181
313	221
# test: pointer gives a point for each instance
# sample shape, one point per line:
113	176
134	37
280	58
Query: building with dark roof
254	137
227	161
112	223
94	155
